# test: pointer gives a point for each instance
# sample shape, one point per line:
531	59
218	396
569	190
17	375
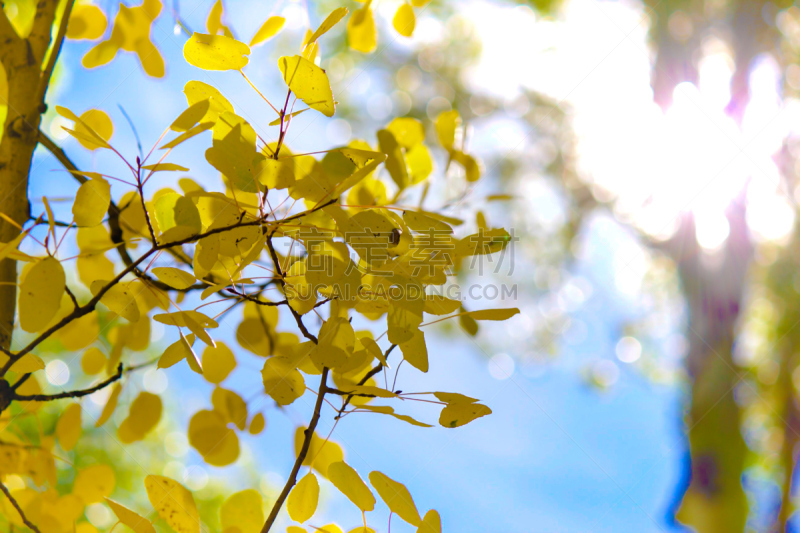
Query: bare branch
69	394
377	368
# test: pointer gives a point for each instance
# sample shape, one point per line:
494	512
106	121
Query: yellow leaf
494	314
361	33
468	324
308	82
408	132
235	156
68	428
321	452
173	503
188	134
214	21
40	294
351	485
296	529
174	277
242	512
177	351
302	501
422	223
458	414
172	209
440	305
133	520
143	417
231	406
419	162
165	167
91	202
330	21
86	21
404	20
218	362
471	167
395	163
268	30
131	32
396	497
210	436
215	52
454	397
431	523
446	124
415	351
94	483
94	122
257	424
110	406
196	91
282	381
27	364
119	299
93	361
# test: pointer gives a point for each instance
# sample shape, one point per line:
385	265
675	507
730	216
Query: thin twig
18	508
69	394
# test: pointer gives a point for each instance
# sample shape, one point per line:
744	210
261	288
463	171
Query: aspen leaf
295	529
91	202
388	410
132	519
494	314
396	497
173	503
471	167
282	381
268	30
404	20
191	115
174	277
321	452
40	294
454	397
351	485
177	351
468	324
111	404
372	347
131	32
446	124
440	305
308	82
231	406
68	428
431	523
362	529
243	512
329	528
196	91
362	35
94	483
86	21
415	351
214	21
395	163
119	298
94	129
330	21
458	414
93	361
408	132
302	501
143	417
165	167
215	52
26	364
185	136
209	435
235	156
257	424
218	362
422	223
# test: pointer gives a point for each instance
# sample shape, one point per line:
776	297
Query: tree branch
363	380
308	435
18	508
47	73
69	394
